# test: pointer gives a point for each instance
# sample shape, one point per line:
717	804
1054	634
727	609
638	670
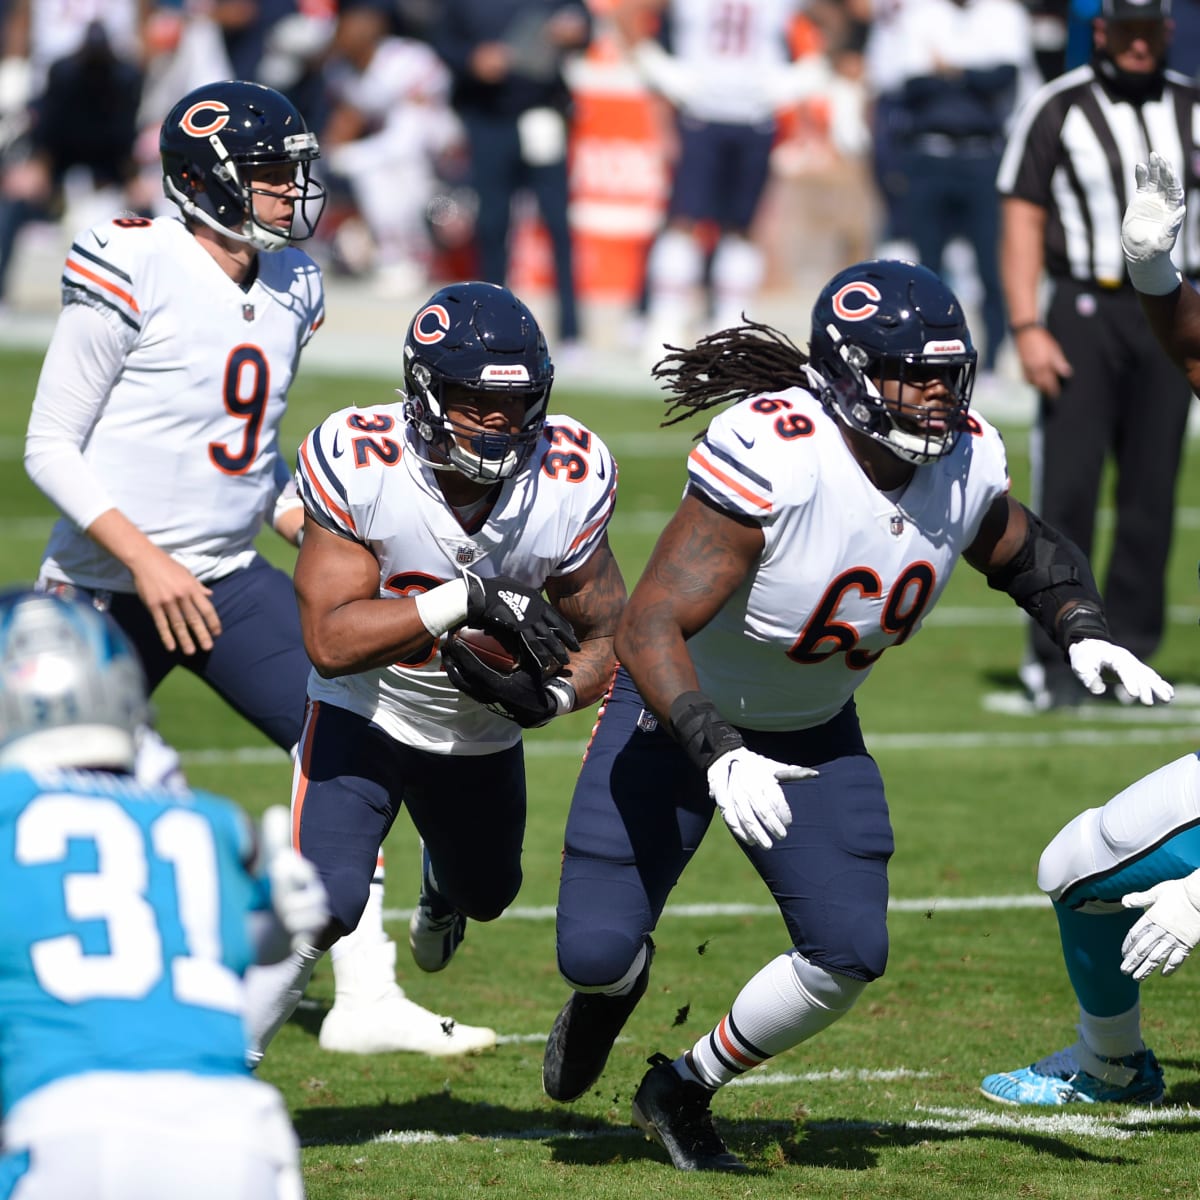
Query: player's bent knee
601	961
1071	854
835	992
348	892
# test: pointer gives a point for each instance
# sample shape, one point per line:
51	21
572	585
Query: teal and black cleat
1077	1075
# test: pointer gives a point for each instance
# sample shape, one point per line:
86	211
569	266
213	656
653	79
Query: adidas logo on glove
516	603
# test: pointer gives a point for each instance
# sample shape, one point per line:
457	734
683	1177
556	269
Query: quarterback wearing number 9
825	510
131	914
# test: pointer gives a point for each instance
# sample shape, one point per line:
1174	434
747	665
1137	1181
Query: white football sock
272	994
673	272
1113	1037
364	961
737	274
786	1003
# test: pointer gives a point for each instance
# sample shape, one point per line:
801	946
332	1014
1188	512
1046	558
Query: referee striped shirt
1072	151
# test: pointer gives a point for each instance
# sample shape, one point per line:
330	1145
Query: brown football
486	648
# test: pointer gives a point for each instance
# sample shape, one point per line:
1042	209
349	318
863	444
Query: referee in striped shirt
1105	386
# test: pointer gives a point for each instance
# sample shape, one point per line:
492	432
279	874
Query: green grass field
884	1104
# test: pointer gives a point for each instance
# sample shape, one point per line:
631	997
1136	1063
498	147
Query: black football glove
508	609
522	697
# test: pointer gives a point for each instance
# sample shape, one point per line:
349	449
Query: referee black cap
1135	10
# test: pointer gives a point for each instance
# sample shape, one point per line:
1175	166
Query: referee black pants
1127	400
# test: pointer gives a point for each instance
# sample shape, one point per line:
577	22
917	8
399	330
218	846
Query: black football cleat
674	1112
583	1034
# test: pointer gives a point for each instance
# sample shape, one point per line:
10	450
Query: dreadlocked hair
726	366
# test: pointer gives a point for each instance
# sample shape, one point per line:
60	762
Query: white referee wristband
1157	276
564	695
444	607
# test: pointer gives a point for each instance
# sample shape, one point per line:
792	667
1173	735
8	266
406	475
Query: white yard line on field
1119	1127
930	905
1165	728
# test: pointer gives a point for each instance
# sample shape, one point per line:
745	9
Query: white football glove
297	893
1151	225
1168	930
1091	657
746	789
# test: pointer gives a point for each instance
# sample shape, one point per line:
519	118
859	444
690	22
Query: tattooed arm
591	598
700	560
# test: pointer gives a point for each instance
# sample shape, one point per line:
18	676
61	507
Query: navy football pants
469	810
257	665
640	810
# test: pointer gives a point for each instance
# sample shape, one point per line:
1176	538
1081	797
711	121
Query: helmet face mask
72	692
216	143
885	332
473	348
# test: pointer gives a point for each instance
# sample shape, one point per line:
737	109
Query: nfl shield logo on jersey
247	312
897	525
466	555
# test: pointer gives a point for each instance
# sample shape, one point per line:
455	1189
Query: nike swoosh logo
101	242
747	442
600	469
337	453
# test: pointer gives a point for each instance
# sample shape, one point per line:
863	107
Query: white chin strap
482	470
915	448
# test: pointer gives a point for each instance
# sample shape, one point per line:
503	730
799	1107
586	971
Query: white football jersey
360	478
187	439
733	49
846	571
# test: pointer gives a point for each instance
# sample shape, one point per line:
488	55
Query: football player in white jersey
1141	850
122	1047
457	506
823	515
155	431
728	74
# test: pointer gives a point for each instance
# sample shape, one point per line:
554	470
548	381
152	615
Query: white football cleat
372	1015
395	1024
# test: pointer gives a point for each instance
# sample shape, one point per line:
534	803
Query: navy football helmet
214	139
72	693
468	339
887	319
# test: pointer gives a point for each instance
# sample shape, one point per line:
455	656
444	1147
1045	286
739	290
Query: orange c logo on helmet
441	324
202	128
863	310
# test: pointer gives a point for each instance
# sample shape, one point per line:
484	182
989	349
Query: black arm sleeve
1046	573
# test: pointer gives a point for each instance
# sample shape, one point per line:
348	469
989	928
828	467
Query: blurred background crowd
536	142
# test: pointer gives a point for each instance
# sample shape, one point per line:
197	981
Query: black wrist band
701	730
1024	325
1081	622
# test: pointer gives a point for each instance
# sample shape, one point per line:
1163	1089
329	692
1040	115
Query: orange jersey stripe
102	282
587	533
728	480
345	516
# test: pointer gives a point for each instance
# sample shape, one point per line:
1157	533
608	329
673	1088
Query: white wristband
564	695
1155	276
444	607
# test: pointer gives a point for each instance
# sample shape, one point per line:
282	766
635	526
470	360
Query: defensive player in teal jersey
133	914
